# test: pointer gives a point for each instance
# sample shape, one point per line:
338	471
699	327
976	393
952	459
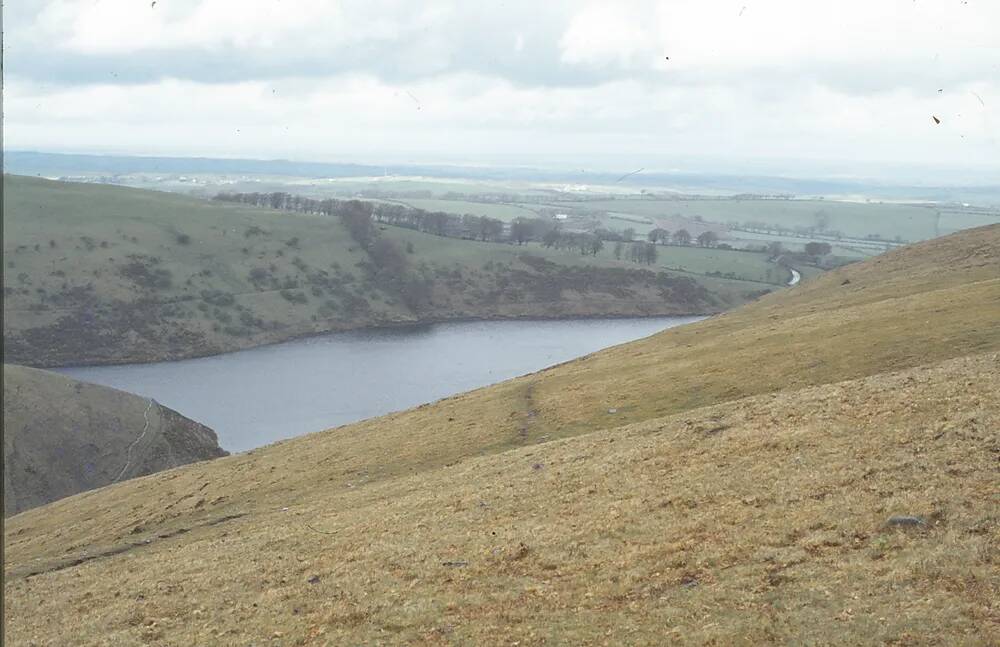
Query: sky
846	87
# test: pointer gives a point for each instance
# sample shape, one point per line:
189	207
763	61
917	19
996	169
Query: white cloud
745	78
608	34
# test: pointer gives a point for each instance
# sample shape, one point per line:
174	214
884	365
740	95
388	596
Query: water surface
258	396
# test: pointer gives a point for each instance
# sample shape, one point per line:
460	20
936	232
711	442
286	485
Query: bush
217	298
259	275
294	296
140	272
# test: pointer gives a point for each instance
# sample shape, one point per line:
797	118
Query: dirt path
128	454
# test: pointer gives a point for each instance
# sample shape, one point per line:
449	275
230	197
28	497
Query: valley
513	324
814	467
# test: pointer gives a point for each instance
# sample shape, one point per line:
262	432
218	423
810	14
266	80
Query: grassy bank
97	274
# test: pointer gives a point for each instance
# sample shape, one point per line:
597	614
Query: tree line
356	213
438	223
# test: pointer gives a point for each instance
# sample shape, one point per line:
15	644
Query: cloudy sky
781	85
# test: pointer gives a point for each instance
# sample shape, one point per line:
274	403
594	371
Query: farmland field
909	222
505	212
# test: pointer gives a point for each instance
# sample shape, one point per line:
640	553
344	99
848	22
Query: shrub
294	296
259	275
217	298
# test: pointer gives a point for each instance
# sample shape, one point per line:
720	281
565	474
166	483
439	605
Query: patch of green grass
909	222
505	212
748	266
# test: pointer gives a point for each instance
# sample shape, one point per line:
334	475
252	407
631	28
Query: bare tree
520	230
649	253
658	235
708	238
816	250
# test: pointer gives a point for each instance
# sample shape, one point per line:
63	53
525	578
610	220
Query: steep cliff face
62	437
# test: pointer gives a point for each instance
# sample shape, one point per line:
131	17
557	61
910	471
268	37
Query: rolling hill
63	436
817	467
105	274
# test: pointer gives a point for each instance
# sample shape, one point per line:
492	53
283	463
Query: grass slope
96	273
62	436
737	494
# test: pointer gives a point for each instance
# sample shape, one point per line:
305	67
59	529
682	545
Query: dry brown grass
690	515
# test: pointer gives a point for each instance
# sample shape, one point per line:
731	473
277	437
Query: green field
505	212
855	219
408	185
98	273
751	266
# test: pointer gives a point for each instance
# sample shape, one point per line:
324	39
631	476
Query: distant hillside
62	437
62	164
98	274
817	467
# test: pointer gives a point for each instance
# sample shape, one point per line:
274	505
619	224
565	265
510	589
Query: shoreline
389	325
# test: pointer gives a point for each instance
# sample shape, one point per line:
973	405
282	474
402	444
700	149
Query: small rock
537	466
612	410
905	521
313	580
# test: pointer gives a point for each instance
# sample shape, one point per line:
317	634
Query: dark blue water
258	396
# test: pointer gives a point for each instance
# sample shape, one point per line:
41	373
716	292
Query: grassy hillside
98	273
62	436
735	481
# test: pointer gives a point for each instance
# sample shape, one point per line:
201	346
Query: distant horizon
895	175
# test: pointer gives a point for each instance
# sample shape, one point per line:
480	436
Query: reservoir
261	395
